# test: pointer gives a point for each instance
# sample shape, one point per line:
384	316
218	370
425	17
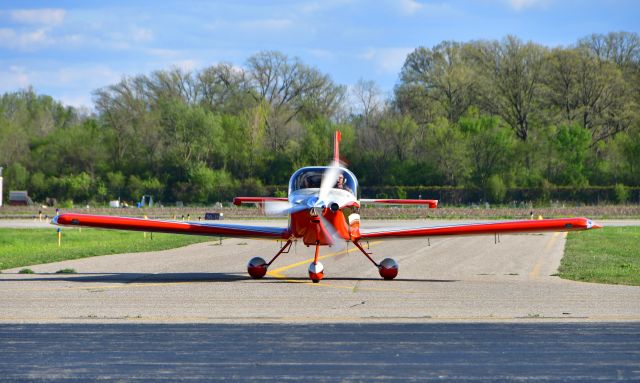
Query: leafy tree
444	75
571	143
445	142
491	147
16	176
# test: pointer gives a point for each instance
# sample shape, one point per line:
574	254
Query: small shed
19	198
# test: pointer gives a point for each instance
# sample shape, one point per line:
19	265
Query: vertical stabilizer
336	147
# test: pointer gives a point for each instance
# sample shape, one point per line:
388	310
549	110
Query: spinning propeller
315	203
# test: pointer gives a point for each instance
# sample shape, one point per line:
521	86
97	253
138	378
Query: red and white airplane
323	209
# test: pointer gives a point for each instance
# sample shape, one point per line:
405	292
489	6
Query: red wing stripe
529	226
176	227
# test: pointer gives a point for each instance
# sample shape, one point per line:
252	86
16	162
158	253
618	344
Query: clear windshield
311	177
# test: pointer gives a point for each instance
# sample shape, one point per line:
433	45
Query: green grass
608	255
67	271
22	247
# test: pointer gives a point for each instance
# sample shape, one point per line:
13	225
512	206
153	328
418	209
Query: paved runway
461	309
448	279
318	353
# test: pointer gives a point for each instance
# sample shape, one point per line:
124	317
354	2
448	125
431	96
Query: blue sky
67	49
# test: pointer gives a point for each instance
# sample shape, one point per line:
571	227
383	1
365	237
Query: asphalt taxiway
461	309
542	352
443	279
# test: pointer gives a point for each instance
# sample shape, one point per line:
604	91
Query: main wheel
257	268
388	268
316	272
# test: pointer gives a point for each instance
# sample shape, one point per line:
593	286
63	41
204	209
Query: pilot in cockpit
341	184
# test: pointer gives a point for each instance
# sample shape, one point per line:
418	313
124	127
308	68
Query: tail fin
336	147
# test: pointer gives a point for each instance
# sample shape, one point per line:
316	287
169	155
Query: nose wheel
316	269
316	272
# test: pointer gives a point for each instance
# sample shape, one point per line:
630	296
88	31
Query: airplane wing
505	227
175	227
433	203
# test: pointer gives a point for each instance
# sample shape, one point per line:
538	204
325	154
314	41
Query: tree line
486	115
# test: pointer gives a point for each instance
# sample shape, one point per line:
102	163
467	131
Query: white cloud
409	7
519	5
141	35
78	101
186	65
14	78
24	40
255	25
315	7
44	16
163	53
321	53
387	60
267	24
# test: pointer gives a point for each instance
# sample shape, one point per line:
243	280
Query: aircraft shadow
127	278
133	277
355	279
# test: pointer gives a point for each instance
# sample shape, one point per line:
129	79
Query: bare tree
221	86
622	48
367	99
511	71
289	87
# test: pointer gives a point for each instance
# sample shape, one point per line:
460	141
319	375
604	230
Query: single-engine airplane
323	209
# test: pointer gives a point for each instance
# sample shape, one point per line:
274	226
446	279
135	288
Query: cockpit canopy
311	177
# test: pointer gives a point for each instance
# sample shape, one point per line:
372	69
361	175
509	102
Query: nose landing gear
316	269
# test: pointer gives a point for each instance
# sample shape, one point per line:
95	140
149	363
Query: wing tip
593	225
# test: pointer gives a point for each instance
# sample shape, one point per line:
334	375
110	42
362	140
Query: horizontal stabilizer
433	203
257	200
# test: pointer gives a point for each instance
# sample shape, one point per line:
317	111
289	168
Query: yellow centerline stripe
535	272
277	272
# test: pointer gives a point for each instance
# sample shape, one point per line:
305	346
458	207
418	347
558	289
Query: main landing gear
257	266
388	268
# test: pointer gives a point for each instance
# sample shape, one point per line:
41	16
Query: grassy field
22	247
609	255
